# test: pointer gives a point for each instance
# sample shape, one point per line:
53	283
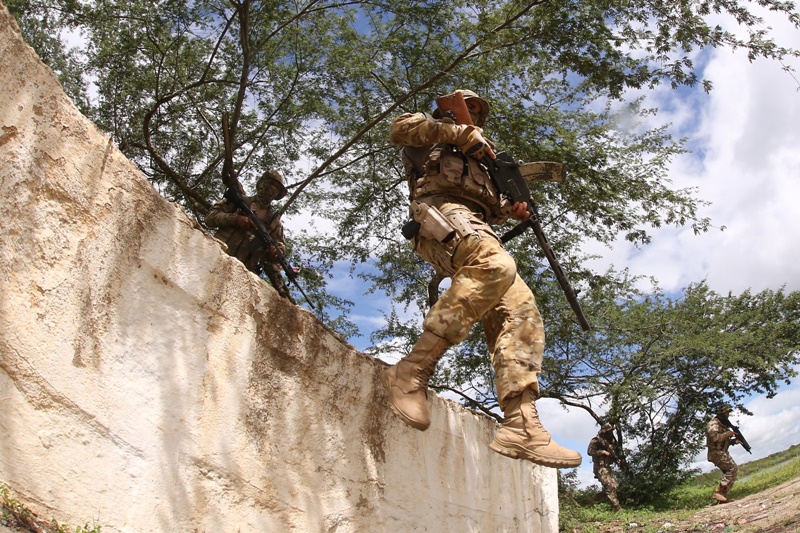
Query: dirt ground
775	510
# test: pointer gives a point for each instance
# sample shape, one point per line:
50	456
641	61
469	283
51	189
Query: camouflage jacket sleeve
419	129
221	215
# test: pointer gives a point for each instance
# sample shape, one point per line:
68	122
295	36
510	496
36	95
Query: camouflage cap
723	408
607	428
271	176
470	95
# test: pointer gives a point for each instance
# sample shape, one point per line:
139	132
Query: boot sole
411	422
518	452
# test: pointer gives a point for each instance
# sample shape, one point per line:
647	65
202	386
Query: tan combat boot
719	494
522	436
407	381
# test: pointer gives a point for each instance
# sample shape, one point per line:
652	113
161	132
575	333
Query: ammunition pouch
429	222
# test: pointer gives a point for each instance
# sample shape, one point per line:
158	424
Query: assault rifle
737	434
611	449
508	179
234	195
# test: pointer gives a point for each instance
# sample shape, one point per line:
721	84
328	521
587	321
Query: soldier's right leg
480	276
729	470
719	494
407	381
515	334
609	483
725	463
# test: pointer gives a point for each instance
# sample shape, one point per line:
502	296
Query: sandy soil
773	510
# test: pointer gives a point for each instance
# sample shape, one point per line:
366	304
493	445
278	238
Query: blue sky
745	160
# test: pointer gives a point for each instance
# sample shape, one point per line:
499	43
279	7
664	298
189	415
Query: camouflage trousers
609	482
485	287
724	462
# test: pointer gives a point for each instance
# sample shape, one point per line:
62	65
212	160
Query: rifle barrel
738	434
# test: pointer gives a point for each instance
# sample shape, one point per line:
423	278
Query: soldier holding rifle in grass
602	451
720	436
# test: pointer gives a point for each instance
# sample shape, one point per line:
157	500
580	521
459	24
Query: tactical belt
438	200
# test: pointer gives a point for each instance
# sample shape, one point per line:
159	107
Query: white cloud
774	426
746	163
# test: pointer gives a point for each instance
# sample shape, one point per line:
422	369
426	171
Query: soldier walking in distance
454	201
235	229
602	450
718	439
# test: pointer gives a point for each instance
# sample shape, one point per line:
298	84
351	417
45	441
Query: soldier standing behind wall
718	439
454	201
235	229
601	449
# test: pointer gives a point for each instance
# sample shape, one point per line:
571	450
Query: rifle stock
505	174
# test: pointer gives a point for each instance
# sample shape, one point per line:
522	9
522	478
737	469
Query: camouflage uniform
718	439
601	450
484	285
244	244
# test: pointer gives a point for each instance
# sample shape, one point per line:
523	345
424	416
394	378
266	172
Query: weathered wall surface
149	382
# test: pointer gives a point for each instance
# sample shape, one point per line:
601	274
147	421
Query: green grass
753	477
14	513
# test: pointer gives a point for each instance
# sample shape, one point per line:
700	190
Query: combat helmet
470	95
271	176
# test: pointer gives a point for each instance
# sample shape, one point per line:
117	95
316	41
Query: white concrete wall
149	382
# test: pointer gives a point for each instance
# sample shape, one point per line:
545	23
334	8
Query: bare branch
466	54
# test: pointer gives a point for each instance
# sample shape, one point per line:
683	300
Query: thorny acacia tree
312	86
658	365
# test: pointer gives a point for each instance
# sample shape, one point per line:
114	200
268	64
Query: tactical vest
442	170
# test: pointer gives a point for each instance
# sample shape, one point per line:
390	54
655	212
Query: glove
471	142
